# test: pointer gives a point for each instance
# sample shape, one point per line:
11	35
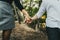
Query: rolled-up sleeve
18	4
42	9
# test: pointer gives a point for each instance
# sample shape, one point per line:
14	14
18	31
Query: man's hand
28	19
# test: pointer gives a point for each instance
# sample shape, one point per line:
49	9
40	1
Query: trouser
53	33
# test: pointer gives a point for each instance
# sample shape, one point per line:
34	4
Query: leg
59	33
52	33
6	34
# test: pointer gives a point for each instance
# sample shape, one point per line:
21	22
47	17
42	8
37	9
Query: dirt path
23	32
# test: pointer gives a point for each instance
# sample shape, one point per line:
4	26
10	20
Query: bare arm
34	17
25	13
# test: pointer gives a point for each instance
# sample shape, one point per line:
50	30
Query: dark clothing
17	3
6	14
9	1
53	33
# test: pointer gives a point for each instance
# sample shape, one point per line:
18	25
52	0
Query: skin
6	33
31	19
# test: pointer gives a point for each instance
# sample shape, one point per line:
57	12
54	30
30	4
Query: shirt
52	7
17	3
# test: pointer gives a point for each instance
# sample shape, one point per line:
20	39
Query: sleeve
41	10
18	4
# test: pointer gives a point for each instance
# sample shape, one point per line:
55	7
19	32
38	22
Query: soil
24	32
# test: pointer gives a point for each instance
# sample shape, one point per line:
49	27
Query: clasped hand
28	19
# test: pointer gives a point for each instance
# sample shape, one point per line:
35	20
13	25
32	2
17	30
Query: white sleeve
41	9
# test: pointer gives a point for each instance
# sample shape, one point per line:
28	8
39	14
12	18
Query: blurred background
34	31
32	6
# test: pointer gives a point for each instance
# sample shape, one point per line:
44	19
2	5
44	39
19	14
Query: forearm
25	12
34	17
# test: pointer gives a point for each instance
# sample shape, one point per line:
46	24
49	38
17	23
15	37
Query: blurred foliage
32	6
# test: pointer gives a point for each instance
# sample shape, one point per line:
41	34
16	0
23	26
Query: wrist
32	18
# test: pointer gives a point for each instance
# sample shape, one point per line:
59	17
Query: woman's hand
28	19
